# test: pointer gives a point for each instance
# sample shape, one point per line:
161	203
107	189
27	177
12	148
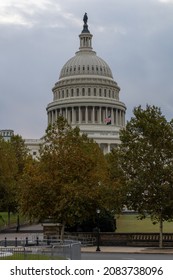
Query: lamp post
98	231
18	224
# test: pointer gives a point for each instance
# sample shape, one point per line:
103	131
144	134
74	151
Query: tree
13	155
146	158
116	193
21	155
8	171
66	183
21	152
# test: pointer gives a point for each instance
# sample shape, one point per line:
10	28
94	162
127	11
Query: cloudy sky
37	37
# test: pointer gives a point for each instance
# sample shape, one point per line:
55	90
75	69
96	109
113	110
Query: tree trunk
161	233
8	217
62	231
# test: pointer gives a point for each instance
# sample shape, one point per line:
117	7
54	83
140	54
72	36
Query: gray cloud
38	37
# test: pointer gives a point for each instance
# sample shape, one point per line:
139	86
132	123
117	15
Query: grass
31	257
125	223
4	218
129	223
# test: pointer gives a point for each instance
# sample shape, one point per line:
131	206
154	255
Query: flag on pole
108	120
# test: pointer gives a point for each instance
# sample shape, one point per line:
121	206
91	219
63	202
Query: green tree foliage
13	157
146	158
66	183
116	194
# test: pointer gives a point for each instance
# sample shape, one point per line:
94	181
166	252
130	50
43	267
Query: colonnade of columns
106	148
88	114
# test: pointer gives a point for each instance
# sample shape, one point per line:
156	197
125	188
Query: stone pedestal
52	230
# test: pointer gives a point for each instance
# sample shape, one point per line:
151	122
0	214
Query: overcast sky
37	37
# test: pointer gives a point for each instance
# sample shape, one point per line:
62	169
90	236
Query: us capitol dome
87	95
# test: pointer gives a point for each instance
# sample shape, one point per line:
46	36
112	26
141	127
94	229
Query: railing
53	249
123	239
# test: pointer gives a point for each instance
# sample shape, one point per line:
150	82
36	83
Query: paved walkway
136	250
90	249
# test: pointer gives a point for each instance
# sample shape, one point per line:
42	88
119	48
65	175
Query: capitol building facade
87	95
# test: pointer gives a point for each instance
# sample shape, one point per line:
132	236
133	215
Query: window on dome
89	91
83	91
62	94
92	68
77	92
88	68
95	91
72	92
67	93
83	68
109	93
78	68
97	69
105	92
100	91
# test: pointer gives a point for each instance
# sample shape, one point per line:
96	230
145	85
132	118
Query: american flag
108	120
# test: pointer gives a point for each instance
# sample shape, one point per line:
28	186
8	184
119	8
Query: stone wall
123	239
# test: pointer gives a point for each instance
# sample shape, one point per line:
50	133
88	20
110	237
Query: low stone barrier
123	239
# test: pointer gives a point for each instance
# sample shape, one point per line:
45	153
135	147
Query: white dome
86	63
87	95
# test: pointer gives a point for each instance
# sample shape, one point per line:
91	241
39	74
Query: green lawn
130	223
31	257
13	218
4	218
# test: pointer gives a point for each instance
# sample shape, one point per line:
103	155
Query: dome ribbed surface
86	63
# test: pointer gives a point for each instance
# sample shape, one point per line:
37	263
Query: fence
38	249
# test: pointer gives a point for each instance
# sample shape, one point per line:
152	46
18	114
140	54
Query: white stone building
87	95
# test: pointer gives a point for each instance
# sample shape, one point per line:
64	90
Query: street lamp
98	231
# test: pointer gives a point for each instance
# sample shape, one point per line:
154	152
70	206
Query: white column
93	115
86	114
109	148
79	114
100	117
66	113
120	117
73	116
48	115
112	116
116	116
